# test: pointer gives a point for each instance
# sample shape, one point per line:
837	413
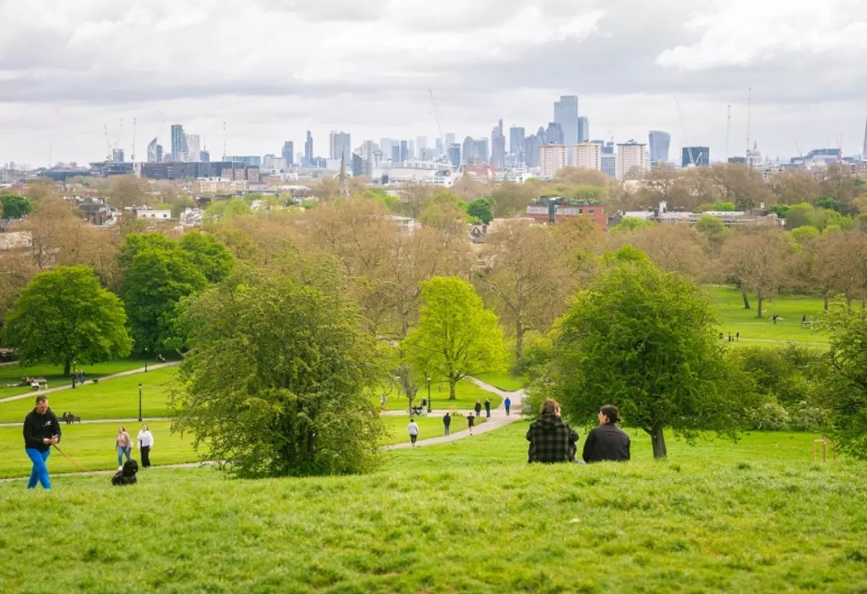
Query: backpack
126	476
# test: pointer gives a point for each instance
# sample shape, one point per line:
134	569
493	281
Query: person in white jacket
413	431
145	445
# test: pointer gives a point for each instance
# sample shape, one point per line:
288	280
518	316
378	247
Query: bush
769	416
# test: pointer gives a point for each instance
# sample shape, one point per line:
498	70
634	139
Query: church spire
343	188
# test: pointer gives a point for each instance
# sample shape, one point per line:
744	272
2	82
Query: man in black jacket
607	441
41	431
551	438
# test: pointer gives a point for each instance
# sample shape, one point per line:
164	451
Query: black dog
126	476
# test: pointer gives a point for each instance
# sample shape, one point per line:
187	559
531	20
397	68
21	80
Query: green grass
112	399
470	516
54	374
466	394
429	427
504	381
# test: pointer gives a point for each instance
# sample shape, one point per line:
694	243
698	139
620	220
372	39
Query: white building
150	214
587	155
632	158
194	147
553	158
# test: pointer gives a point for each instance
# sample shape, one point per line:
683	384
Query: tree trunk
519	340
452	389
746	299
657	438
759	299
826	303
66	367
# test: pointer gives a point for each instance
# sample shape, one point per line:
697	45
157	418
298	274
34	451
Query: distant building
155	151
553	158
248	160
566	114
469	150
153	215
289	153
308	150
554	134
583	129
193	147
532	145
482	149
179	143
516	144
450	138
695	156
358	165
498	146
117	155
659	143
554	209
340	146
204	156
455	154
631	159
587	155
404	152
609	164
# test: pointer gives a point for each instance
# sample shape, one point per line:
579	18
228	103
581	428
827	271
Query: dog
126	476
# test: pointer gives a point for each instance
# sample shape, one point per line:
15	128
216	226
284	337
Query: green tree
276	379
135	243
631	224
209	255
456	336
480	209
15	207
64	315
153	286
713	230
644	340
226	210
804	234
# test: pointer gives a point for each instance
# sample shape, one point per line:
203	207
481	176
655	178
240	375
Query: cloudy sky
272	69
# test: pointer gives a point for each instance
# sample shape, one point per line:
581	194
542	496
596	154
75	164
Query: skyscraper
482	149
498	146
179	143
566	114
583	129
469	151
308	150
516	144
404	151
554	134
455	154
340	146
532	144
631	159
154	151
288	153
194	147
659	142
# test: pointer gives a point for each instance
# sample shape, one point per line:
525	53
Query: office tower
117	155
583	129
659	142
554	134
450	139
152	151
395	152
193	147
404	151
410	150
340	146
516	144
385	145
566	114
695	156
455	154
288	153
552	158
631	159
308	150
587	155
440	148
469	151
179	143
532	145
498	146
482	149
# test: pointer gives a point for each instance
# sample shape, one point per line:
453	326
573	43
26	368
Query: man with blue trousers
41	431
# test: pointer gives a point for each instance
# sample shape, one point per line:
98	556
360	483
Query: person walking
413	431
607	441
41	431
551	438
145	445
487	408
508	404
447	422
471	422
123	444
478	408
382	401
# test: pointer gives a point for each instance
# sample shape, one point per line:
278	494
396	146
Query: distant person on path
145	445
737	336
471	422
447	422
382	401
123	443
508	404
730	336
487	408
478	408
413	431
551	438
41	431
804	321
774	318
607	441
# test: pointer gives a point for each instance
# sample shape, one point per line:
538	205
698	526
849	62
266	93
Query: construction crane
132	156
119	130
685	134
454	168
107	144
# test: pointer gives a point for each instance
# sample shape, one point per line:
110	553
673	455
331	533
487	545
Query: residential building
553	158
469	151
566	114
583	129
308	150
340	146
151	215
516	144
659	143
554	209
179	143
289	153
554	134
587	155
695	156
193	147
631	159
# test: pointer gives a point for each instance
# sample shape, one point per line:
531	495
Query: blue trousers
121	452
40	470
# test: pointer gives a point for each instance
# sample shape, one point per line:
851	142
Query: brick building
553	210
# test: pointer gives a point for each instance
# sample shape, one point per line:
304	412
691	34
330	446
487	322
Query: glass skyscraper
659	143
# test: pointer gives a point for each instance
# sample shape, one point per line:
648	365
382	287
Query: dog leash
70	459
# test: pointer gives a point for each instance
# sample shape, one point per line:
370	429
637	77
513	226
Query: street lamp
139	403
73	375
146	364
428	394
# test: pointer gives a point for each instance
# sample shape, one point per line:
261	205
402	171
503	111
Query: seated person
551	438
607	441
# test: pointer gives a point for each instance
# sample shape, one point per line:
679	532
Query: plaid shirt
551	440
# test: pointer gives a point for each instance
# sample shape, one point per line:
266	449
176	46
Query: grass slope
54	374
466	393
464	517
504	381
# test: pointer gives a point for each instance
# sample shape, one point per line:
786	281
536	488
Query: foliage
63	316
456	336
226	210
480	209
15	207
631	224
209	255
127	191
713	230
781	210
801	235
718	206
276	377
135	243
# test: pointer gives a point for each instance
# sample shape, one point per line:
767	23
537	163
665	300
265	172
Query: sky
273	69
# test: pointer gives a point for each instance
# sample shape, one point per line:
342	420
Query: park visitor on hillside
478	408
508	404
551	438
487	408
41	431
145	445
607	441
471	422
447	422
413	431
123	444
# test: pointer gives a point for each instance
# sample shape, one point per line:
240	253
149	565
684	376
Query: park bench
70	418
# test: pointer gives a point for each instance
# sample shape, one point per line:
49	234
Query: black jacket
606	442
551	440
447	420
37	427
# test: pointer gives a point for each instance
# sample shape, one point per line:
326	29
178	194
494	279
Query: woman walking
478	408
123	443
145	445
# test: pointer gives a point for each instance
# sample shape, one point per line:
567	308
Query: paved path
104	378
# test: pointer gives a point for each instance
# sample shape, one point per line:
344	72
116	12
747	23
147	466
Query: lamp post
146	361
73	375
428	394
139	403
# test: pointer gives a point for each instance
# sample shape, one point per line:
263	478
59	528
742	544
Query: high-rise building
532	145
553	134
308	150
516	144
155	151
204	156
695	156
440	148
455	154
566	114
450	139
498	146
482	149
340	146
179	143
659	142
395	152
410	150
583	129
404	151
469	151
864	150
193	147
632	159
288	153
587	155
552	158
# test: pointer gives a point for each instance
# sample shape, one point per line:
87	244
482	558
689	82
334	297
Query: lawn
469	516
112	399
466	394
54	374
504	381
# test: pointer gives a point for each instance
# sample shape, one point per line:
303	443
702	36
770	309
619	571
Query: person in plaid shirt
551	438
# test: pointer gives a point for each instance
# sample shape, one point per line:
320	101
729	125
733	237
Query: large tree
758	262
63	316
456	336
644	340
15	207
209	255
277	376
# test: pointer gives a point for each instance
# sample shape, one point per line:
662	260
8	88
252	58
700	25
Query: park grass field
504	381
469	516
466	393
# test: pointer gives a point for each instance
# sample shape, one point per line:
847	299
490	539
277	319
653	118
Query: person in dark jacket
551	438
447	422
508	404
471	422
41	431
487	408
478	408
607	441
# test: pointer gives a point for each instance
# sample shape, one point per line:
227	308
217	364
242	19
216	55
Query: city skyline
70	70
